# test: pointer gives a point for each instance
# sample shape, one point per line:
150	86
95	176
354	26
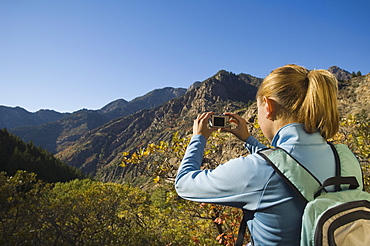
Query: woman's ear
270	108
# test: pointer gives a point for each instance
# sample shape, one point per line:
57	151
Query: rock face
354	95
194	85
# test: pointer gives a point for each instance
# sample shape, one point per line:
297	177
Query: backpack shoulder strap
349	164
302	181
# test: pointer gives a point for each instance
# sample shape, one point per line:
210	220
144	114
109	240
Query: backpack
338	218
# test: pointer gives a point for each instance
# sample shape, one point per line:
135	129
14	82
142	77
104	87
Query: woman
297	111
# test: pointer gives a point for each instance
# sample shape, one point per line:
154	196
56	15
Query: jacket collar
294	133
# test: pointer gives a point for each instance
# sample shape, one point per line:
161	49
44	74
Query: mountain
119	103
152	99
58	135
102	147
17	117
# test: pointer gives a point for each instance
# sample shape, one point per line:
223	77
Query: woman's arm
237	183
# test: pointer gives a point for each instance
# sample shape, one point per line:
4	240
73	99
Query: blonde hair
308	97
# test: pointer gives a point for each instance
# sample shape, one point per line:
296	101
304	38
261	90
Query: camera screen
219	121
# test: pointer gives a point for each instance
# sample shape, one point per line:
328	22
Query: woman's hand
241	130
201	127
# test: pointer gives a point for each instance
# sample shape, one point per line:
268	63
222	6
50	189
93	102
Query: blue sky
67	55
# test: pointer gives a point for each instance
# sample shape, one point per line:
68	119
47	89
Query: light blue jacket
250	183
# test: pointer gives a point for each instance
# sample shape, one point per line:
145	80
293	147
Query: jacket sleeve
238	182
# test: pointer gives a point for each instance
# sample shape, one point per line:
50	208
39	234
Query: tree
19	208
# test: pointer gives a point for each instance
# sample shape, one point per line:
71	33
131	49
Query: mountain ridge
12	117
58	135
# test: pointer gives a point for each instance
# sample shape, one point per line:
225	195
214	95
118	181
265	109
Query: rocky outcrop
339	73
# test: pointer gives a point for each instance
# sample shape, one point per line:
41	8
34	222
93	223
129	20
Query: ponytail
319	109
307	97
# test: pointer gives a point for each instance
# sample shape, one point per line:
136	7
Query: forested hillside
17	155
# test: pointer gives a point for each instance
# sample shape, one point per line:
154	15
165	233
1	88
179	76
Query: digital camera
221	121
